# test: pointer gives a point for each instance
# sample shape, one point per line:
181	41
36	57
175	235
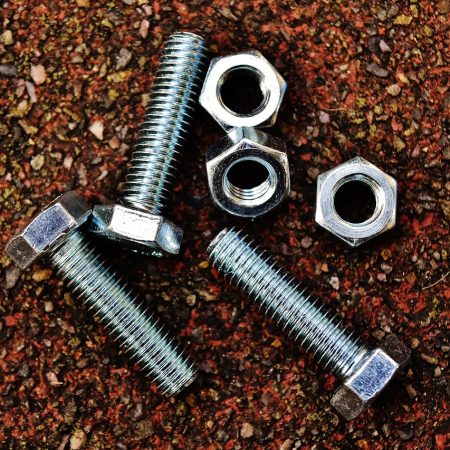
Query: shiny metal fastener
55	232
365	372
248	172
383	187
138	222
253	64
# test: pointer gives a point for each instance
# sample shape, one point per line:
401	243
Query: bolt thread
167	122
80	264
281	298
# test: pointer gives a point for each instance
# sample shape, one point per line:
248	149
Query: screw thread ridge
281	299
167	122
81	266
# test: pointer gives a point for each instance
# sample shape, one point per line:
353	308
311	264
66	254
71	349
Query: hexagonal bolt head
384	188
140	231
372	376
241	149
68	212
251	63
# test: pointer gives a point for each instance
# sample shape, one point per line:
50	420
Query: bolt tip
219	237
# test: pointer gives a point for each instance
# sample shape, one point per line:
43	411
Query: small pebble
7	37
143	29
12	275
31	91
41	275
191	299
375	69
334	282
97	129
287	444
324	117
306	242
384	47
123	59
8	70
37	162
77	440
394	90
38	74
429	359
247	430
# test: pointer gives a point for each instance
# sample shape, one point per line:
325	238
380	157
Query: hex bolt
365	372
162	136
56	233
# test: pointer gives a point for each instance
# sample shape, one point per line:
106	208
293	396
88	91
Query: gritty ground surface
367	78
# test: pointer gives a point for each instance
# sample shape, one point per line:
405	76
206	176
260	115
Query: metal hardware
383	187
138	222
365	372
261	163
55	232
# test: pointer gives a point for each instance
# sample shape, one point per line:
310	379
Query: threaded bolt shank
167	122
291	307
90	278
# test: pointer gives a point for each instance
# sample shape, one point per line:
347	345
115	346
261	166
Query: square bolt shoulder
138	230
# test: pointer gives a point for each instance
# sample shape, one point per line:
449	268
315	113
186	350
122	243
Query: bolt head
372	376
68	212
139	231
272	84
382	185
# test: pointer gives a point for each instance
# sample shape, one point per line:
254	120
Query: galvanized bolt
56	233
364	372
138	222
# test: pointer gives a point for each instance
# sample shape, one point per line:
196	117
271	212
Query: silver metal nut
384	189
54	222
376	371
141	231
245	151
252	63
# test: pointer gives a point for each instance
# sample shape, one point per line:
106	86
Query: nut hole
250	181
241	90
355	201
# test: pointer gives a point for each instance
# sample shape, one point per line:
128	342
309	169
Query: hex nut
65	214
244	145
384	188
140	231
372	376
253	63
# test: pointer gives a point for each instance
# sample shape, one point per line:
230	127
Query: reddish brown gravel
367	78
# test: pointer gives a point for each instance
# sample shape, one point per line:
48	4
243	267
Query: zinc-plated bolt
138	222
364	372
56	233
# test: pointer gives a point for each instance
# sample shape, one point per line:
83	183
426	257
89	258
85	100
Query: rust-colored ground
367	78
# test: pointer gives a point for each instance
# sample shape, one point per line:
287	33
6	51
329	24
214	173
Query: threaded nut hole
250	181
242	91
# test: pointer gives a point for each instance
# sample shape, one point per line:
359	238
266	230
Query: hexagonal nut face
50	226
137	230
372	376
254	65
383	187
248	172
